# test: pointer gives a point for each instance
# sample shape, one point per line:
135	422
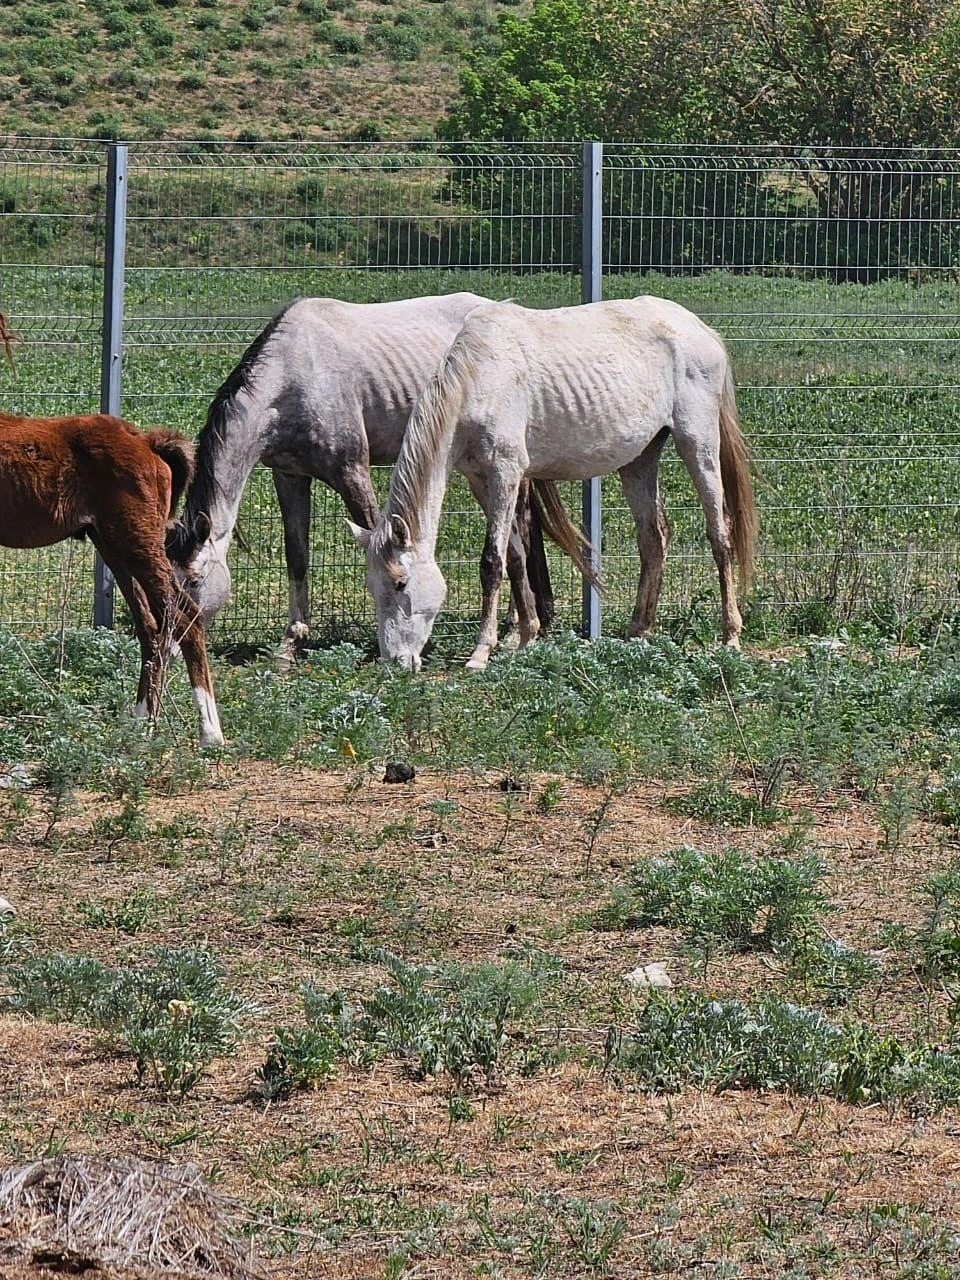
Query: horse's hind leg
642	491
538	571
698	443
293	492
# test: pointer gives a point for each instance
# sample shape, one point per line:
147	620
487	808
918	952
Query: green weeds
773	1044
174	1015
449	1019
752	903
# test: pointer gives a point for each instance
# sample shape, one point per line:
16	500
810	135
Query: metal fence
832	276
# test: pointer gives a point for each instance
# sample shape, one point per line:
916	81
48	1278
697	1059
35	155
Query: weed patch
730	897
773	1044
174	1015
450	1019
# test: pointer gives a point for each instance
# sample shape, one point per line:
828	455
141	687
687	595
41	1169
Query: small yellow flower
347	749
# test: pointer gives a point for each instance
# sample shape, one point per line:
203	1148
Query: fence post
591	289
111	350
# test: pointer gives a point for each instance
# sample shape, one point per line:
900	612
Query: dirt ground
283	872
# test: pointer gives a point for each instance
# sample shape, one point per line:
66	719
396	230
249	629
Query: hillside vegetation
243	69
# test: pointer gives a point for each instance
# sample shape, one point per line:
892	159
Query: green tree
838	72
852	74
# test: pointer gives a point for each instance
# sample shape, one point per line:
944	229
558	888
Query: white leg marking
210	732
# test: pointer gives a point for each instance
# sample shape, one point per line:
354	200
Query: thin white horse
324	391
562	395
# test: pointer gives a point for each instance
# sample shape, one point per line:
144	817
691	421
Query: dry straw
123	1213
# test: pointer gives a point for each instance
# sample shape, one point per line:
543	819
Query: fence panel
220	238
51	271
833	278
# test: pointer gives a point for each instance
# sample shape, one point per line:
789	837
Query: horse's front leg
293	492
500	506
190	634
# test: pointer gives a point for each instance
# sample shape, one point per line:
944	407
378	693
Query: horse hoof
212	740
511	640
478	662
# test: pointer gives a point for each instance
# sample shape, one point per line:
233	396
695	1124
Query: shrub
773	1044
936	942
174	1015
448	1019
346	42
757	903
715	802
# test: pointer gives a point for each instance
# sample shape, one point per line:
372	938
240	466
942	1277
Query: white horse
324	391
562	395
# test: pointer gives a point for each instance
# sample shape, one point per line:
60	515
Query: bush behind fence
831	275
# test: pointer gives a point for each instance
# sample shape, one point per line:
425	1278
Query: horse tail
737	485
545	498
177	453
538	571
8	338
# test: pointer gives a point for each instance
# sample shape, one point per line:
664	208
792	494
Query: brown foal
99	477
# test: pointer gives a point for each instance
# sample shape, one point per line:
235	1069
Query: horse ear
201	527
362	535
400	533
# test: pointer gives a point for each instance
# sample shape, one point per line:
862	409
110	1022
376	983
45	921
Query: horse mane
430	424
181	543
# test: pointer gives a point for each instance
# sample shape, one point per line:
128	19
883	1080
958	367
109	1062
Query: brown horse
99	477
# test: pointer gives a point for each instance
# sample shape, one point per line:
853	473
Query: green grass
848	421
195	70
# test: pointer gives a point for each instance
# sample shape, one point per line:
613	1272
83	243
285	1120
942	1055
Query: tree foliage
839	72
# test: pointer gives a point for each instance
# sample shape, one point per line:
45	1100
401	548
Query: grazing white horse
562	395
324	391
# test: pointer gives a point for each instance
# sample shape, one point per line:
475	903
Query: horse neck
230	446
418	487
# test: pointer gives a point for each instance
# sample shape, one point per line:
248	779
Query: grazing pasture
393	1022
847	395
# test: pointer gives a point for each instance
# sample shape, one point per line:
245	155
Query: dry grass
289	869
80	1212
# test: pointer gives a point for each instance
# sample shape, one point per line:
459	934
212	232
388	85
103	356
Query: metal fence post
111	350
591	289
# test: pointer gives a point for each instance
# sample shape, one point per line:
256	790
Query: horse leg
522	623
700	451
356	489
192	640
538	571
180	623
642	492
293	492
148	636
500	505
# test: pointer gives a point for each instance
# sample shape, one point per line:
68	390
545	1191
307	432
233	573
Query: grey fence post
111	350
591	289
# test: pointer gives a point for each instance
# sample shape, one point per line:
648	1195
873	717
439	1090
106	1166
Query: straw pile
87	1211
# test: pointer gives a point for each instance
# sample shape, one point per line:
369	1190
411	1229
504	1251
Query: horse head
200	563
407	587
